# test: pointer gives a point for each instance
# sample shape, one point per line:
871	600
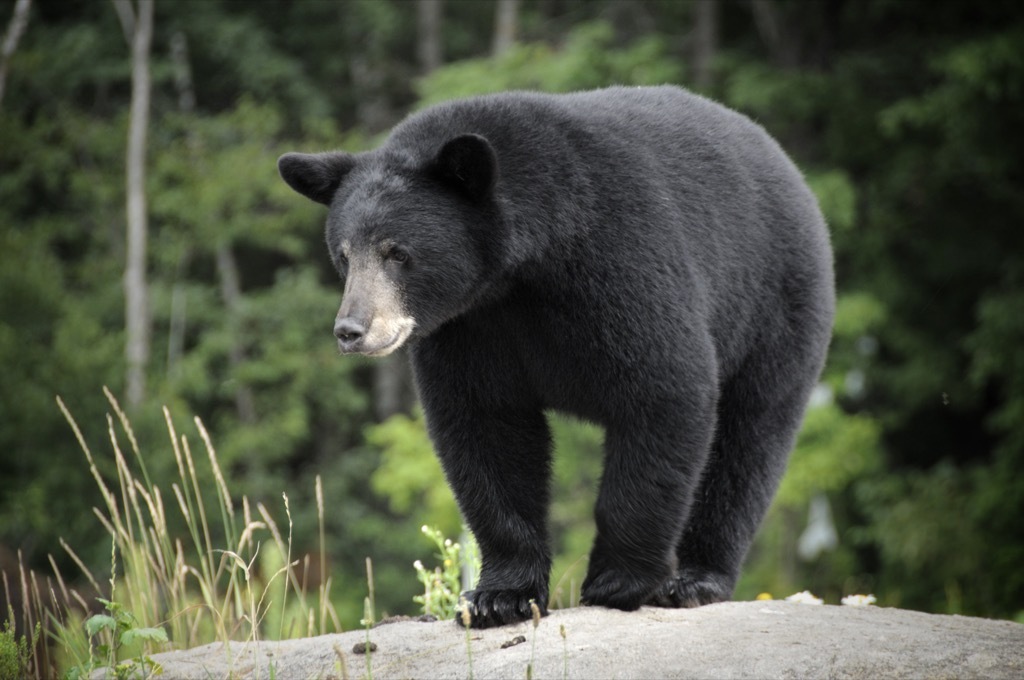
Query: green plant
16	654
117	632
442	587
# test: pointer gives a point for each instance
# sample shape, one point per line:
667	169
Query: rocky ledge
766	639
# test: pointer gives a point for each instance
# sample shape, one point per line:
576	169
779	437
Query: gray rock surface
768	639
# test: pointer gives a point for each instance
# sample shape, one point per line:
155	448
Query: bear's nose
348	331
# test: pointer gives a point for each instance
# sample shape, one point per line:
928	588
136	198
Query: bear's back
653	146
644	182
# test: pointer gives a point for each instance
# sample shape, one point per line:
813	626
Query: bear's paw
692	588
488	608
615	588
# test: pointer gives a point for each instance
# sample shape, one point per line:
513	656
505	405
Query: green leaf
146	634
94	624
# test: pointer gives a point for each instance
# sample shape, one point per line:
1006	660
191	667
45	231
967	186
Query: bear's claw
692	588
489	608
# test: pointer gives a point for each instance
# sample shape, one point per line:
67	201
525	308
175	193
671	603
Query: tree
506	22
15	28
138	29
428	34
705	41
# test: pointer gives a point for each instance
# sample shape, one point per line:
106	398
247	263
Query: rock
767	639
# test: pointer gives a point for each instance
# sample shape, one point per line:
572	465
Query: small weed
467	620
368	619
443	586
565	652
340	664
533	643
16	654
117	631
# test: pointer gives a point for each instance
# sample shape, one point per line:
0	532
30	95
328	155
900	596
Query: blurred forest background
147	244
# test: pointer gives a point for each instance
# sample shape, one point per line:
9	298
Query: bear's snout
376	337
350	333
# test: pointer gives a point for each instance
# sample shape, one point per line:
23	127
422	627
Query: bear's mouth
383	348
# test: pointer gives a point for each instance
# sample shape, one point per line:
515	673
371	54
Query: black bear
642	258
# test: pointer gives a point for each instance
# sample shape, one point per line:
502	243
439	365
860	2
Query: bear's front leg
494	444
498	471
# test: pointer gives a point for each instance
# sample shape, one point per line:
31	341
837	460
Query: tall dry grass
231	577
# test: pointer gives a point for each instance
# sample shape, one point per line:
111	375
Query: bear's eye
397	255
341	262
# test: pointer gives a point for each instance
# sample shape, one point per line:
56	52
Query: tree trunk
227	265
187	104
231	293
705	41
770	24
136	291
428	34
393	390
183	74
506	22
15	28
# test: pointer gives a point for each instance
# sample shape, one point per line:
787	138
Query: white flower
859	600
418	565
805	597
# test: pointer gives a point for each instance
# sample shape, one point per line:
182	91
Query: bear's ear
315	175
469	164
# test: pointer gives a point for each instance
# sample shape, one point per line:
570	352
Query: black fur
641	258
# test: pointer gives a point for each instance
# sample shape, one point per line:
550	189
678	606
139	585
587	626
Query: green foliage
577	473
121	644
837	197
409	475
443	586
16	653
588	59
916	518
834	450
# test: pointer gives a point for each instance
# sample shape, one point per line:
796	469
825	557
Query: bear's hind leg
757	426
650	478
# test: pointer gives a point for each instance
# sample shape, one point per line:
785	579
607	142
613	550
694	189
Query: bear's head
413	240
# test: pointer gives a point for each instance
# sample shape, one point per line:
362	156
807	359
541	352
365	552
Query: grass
467	620
535	610
369	618
202	588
